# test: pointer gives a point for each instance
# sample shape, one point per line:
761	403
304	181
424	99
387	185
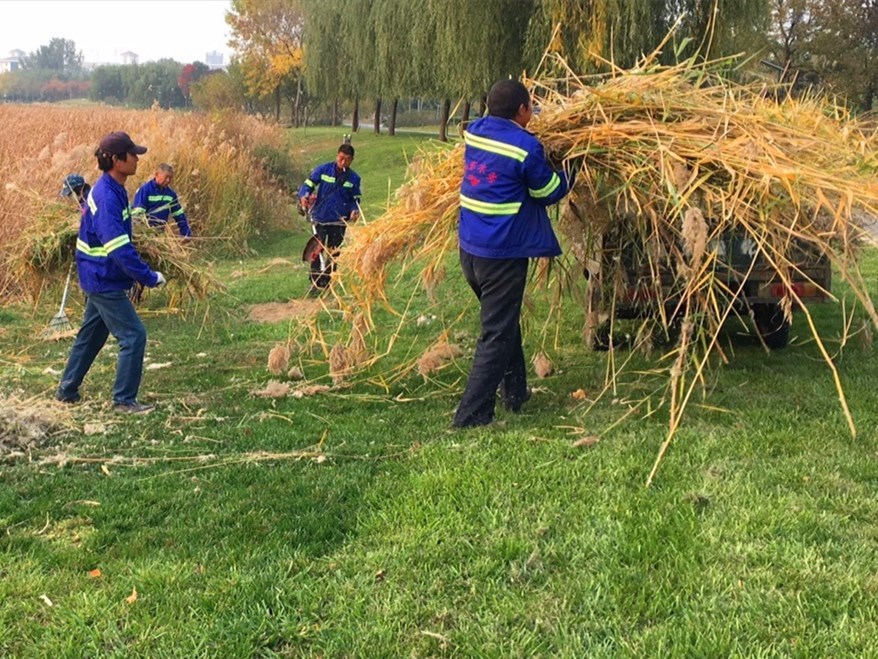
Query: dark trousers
499	359
105	314
323	263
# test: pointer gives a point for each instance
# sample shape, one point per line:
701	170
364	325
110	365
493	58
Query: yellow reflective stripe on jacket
493	146
160	197
117	242
347	184
138	210
487	208
547	189
326	178
309	183
83	247
177	212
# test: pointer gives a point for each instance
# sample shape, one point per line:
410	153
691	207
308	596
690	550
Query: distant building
13	62
214	59
128	57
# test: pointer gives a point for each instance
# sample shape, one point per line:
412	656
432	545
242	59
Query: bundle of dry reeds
670	160
39	257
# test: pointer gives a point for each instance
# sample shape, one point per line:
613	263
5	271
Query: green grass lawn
407	539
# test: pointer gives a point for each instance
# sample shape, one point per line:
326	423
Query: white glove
161	279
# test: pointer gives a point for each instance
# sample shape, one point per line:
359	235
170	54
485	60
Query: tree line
379	51
312	60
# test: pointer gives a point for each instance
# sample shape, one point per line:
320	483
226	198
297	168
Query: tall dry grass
222	183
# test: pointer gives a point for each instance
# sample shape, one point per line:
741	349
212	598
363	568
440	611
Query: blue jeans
105	314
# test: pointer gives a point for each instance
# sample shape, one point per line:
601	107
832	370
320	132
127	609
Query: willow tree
478	43
446	49
333	60
594	35
845	50
403	67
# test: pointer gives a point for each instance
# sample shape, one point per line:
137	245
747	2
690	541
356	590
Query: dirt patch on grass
274	312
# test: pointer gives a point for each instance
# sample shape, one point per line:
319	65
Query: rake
60	323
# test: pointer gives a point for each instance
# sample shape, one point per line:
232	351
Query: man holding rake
507	185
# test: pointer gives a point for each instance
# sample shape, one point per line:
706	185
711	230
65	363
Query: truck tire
771	324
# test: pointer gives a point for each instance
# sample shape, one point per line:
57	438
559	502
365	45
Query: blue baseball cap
72	184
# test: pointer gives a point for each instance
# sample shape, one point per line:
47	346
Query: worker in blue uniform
157	201
75	186
331	195
507	186
108	265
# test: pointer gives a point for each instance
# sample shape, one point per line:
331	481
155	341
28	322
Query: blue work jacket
338	193
159	204
105	256
507	185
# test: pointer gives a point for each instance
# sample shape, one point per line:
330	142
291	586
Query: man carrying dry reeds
507	185
332	194
108	265
158	202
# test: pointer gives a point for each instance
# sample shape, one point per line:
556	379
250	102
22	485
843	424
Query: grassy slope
759	538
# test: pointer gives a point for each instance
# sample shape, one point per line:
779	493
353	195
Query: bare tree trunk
355	117
464	119
391	126
277	104
377	126
333	120
483	106
443	120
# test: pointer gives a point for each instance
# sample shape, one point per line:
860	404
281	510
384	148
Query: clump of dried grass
38	257
27	424
279	358
437	356
344	359
543	366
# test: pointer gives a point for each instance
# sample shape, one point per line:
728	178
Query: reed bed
223	184
668	161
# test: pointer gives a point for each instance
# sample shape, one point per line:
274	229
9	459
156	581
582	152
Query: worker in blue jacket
75	186
108	265
331	194
507	186
157	201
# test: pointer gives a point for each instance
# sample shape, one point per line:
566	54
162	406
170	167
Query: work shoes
69	399
133	408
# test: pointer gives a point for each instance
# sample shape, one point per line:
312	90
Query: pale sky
183	30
